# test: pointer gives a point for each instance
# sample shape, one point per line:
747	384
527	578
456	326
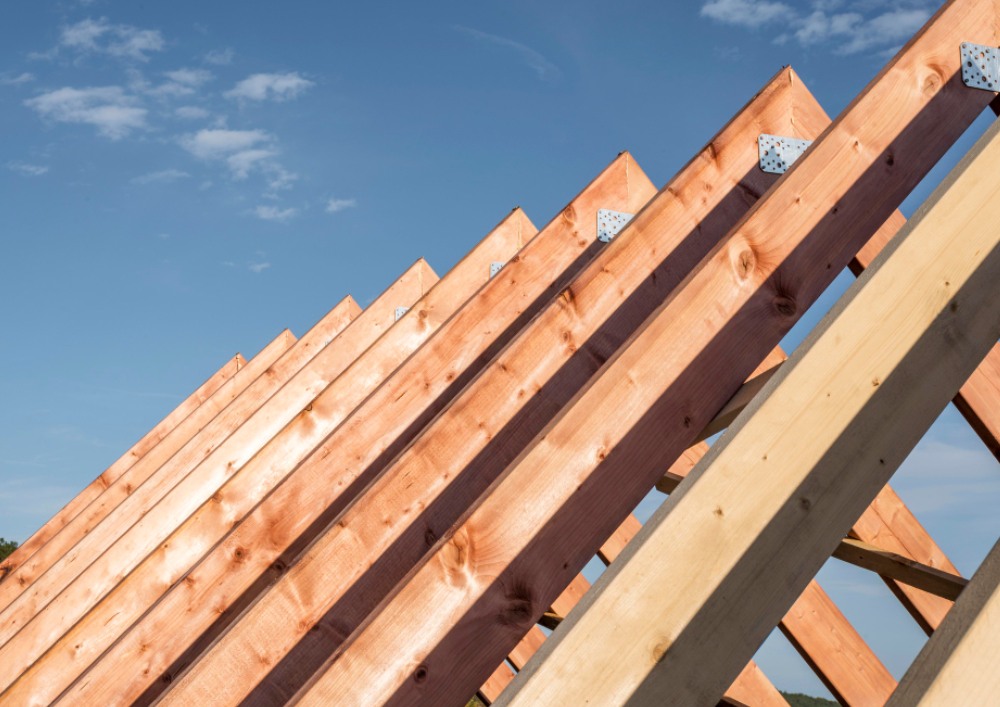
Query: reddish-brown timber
252	552
111	474
25	570
165	455
34	623
464	449
358	451
454	618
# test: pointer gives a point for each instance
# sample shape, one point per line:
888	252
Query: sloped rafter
752	287
776	496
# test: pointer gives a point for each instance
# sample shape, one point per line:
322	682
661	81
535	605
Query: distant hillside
797	699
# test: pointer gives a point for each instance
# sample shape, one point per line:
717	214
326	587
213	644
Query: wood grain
774	497
312	363
156	435
252	553
494	570
510	300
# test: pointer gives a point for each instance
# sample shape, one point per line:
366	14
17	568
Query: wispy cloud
274	213
165	175
746	13
242	150
335	205
220	57
22	78
274	87
28	170
850	28
191	113
258	268
102	37
543	68
108	108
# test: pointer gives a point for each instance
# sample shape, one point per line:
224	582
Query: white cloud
243	162
746	13
257	268
190	77
335	205
544	68
220	143
275	87
108	108
279	179
191	113
220	57
850	31
102	37
273	213
165	175
29	170
8	80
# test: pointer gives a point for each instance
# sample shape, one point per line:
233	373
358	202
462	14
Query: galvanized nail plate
980	66
400	311
495	267
778	153
610	223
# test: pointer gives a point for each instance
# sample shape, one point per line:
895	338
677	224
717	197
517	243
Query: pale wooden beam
589	467
512	399
111	474
773	499
143	521
902	569
184	616
958	665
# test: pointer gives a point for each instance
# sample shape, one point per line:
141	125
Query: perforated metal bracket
400	311
495	267
610	223
981	66
778	153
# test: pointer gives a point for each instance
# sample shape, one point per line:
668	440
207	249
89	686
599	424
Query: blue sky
181	181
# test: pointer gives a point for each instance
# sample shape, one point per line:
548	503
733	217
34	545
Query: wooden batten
105	498
469	340
146	518
902	569
26	549
772	500
572	337
252	546
580	477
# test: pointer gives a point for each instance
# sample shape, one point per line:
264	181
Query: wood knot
420	674
784	305
569	214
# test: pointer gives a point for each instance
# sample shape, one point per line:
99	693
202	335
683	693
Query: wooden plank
503	408
764	510
494	570
111	474
131	479
248	559
957	666
902	569
814	625
25	571
419	390
889	524
979	401
143	521
496	683
834	650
